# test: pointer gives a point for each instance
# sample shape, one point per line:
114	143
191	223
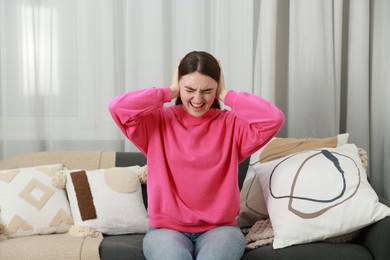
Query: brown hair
202	62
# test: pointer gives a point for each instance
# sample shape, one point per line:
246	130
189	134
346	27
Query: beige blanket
54	246
260	234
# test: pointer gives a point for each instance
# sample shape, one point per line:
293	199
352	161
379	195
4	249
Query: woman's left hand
175	82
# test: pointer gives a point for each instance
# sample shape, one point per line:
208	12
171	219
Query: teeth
196	105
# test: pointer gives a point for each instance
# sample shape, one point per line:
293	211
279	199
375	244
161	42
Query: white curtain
325	63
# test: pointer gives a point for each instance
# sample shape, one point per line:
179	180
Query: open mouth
197	106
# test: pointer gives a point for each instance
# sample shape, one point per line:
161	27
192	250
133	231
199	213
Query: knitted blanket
260	234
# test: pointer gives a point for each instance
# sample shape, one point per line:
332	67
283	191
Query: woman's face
197	92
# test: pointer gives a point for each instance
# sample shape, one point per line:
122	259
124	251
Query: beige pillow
253	207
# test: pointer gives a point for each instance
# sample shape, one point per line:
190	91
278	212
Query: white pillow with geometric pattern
30	204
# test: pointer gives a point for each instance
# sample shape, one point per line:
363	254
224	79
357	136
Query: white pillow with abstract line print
317	194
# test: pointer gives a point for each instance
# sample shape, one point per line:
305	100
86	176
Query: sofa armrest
376	238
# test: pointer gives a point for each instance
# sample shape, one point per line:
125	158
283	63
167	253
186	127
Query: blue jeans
226	242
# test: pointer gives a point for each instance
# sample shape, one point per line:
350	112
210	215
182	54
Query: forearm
258	120
133	113
222	94
254	109
138	103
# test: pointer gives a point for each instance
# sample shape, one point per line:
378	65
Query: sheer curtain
324	63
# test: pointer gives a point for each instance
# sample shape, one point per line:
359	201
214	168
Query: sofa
372	242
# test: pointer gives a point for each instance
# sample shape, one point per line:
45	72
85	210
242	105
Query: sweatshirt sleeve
133	113
258	120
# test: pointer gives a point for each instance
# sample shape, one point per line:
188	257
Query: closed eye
203	91
207	91
189	89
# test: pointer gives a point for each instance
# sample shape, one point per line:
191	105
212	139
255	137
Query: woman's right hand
222	90
175	82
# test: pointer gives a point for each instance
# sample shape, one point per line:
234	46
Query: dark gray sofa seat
373	241
122	247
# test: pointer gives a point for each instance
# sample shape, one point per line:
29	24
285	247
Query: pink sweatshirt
193	161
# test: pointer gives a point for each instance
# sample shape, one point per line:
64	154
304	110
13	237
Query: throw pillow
107	201
317	194
30	204
253	206
2	228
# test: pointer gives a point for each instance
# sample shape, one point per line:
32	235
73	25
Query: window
39	50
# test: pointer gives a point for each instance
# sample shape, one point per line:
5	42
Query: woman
193	150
